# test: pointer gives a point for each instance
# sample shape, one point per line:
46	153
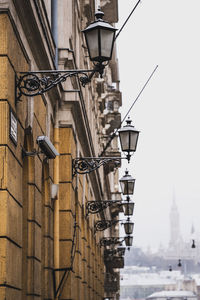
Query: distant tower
175	233
192	231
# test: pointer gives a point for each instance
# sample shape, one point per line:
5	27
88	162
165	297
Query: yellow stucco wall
11	58
31	244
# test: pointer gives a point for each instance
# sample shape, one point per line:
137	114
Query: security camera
47	147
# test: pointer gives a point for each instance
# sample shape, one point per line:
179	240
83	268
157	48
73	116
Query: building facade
48	246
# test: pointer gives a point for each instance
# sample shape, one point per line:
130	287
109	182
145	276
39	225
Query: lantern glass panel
92	43
124	140
128	208
128	240
133	140
128	140
106	43
128	227
130	187
127	187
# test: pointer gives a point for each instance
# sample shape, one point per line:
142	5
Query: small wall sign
13	127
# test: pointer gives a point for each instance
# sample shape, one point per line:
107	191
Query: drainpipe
56	203
54	27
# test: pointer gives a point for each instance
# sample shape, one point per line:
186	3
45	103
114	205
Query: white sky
164	33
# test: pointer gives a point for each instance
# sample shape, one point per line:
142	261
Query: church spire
175	233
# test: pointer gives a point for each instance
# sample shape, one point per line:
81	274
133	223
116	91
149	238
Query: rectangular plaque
13	127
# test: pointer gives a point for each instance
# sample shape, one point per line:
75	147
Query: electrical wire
127	19
116	130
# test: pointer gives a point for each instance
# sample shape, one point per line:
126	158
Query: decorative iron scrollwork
94	207
88	164
37	83
110	241
104	224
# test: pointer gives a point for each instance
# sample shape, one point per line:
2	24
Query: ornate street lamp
99	36
102	225
193	244
128	138
179	263
127	183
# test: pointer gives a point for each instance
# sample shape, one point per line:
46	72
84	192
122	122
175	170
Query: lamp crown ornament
128	122
99	14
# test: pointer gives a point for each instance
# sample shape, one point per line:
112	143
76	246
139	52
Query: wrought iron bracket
86	165
104	224
36	83
111	241
94	207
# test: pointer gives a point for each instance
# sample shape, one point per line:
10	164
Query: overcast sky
164	33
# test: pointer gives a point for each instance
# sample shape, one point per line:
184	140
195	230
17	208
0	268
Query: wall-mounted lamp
46	147
107	242
84	165
104	224
179	263
127	183
94	207
128	138
99	36
193	244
